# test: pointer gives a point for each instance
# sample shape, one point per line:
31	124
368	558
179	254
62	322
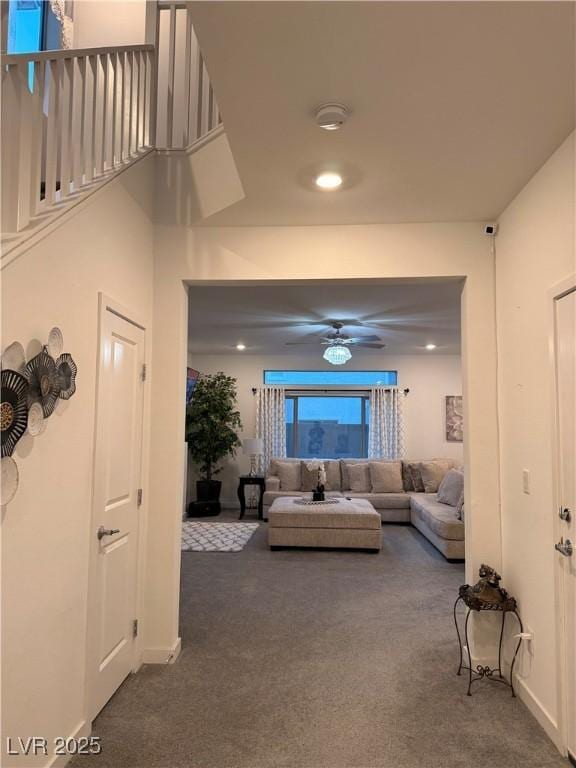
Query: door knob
106	532
564	547
565	514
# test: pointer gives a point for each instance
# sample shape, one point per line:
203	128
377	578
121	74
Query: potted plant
212	425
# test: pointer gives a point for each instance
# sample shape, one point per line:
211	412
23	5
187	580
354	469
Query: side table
245	480
474	603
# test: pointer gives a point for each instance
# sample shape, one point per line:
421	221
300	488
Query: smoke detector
330	117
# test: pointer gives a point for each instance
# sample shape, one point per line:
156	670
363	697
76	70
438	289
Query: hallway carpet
317	659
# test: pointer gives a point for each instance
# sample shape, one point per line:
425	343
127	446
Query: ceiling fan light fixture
337	354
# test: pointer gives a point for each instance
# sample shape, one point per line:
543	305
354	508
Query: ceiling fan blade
298	343
370	346
358	339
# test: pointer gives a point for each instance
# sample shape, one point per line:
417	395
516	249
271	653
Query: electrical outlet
526	480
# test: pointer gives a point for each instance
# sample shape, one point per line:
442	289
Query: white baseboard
539	712
83	729
162	655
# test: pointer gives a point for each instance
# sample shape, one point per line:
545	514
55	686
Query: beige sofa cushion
386	476
416	476
289	473
344	464
433	472
383	500
359	477
451	488
439	518
310	477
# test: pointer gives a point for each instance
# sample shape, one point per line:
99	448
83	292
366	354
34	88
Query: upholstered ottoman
347	524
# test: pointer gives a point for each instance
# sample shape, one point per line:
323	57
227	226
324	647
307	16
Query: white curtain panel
271	424
386	433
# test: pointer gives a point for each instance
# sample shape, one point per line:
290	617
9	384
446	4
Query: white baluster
52	131
37	120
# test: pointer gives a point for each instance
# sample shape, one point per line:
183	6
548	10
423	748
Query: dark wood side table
245	480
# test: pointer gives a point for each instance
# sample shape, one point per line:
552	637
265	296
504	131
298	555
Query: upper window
335	378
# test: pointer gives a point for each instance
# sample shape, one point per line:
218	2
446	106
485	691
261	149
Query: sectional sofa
402	491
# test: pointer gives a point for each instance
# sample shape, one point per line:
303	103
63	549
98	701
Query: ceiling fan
338	344
337	338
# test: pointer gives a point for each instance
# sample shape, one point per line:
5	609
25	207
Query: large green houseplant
212	426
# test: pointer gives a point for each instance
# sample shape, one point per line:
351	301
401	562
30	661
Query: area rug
216	537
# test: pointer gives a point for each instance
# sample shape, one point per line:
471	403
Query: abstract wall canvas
454	419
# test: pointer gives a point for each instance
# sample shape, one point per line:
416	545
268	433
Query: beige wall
348	252
106	245
101	23
429	378
535	250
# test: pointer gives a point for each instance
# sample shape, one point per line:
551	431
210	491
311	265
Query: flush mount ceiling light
331	117
337	354
241	347
430	346
328	180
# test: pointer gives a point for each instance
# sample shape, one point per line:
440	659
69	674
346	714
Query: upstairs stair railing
73	118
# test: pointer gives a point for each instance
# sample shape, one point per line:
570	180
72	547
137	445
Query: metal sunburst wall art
30	393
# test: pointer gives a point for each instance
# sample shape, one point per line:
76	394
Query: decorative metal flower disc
36	420
9	482
13	410
55	342
43	382
67	370
14	358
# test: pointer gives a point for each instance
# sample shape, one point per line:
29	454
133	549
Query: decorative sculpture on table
315	464
30	393
486	595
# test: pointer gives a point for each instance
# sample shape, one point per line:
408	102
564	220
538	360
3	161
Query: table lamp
253	447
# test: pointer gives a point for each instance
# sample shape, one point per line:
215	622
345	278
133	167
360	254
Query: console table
245	480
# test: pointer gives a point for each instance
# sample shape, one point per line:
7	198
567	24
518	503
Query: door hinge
139	498
143	373
135	628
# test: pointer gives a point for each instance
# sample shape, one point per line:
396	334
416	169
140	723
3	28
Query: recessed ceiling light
241	347
329	180
430	346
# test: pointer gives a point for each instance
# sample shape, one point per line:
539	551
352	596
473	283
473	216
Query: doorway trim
556	292
108	304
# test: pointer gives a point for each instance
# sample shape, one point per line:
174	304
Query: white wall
429	377
105	245
100	23
535	250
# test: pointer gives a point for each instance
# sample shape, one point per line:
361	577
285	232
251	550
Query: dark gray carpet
311	659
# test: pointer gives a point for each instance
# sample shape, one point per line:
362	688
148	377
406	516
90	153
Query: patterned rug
216	537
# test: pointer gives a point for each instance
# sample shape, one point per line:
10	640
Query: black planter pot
208	490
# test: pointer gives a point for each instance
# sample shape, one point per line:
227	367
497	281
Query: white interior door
114	532
565	310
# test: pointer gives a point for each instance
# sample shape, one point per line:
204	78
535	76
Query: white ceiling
405	314
455	105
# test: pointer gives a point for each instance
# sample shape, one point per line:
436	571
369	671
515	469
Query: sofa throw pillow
344	466
460	507
289	474
416	476
310	476
407	482
433	472
359	477
451	488
386	476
